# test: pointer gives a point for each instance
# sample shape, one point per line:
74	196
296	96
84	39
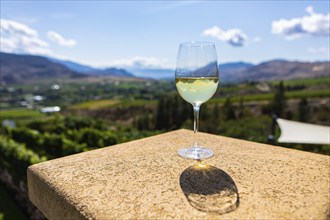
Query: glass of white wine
196	78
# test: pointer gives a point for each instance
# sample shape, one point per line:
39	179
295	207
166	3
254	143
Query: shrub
16	157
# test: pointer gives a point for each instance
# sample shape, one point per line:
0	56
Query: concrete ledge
146	179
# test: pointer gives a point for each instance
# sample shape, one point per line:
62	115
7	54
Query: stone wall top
146	179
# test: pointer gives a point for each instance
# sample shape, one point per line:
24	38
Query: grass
305	82
98	104
19	113
130	103
95	104
308	93
269	96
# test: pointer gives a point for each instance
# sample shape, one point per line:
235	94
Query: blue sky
147	33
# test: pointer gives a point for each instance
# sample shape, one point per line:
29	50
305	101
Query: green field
95	104
268	96
130	103
306	82
98	104
20	113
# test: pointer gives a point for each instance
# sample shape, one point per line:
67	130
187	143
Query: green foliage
322	114
20	113
172	112
324	80
76	122
28	136
270	96
308	93
216	112
144	122
16	157
279	101
303	110
229	111
248	128
95	104
57	135
316	148
60	124
64	135
247	97
60	136
53	145
5	130
46	144
95	138
241	108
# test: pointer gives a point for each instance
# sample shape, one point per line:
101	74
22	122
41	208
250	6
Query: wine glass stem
196	121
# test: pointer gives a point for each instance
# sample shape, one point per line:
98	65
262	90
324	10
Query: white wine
196	90
196	78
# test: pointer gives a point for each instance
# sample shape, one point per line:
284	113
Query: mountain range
21	68
275	70
80	68
16	68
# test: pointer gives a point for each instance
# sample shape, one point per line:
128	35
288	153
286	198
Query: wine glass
196	78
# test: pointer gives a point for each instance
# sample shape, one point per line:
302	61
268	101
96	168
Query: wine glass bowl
196	78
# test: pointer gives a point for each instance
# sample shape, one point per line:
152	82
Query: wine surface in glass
196	90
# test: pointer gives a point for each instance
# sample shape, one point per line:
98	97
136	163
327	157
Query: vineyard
95	115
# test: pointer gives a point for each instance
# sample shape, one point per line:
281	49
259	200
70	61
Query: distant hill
73	65
91	70
22	68
153	73
229	71
235	65
276	70
18	68
236	72
170	73
110	72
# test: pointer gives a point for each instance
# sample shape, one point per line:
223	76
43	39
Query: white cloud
60	40
313	24
9	26
19	38
139	62
234	37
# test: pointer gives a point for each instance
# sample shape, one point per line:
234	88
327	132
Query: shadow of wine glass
209	189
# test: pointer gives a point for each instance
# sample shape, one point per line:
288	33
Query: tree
144	122
241	108
216	113
162	114
279	101
172	112
53	145
31	138
204	112
229	110
303	110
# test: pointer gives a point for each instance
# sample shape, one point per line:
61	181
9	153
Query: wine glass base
195	153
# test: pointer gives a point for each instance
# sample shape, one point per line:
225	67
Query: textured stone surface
146	179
